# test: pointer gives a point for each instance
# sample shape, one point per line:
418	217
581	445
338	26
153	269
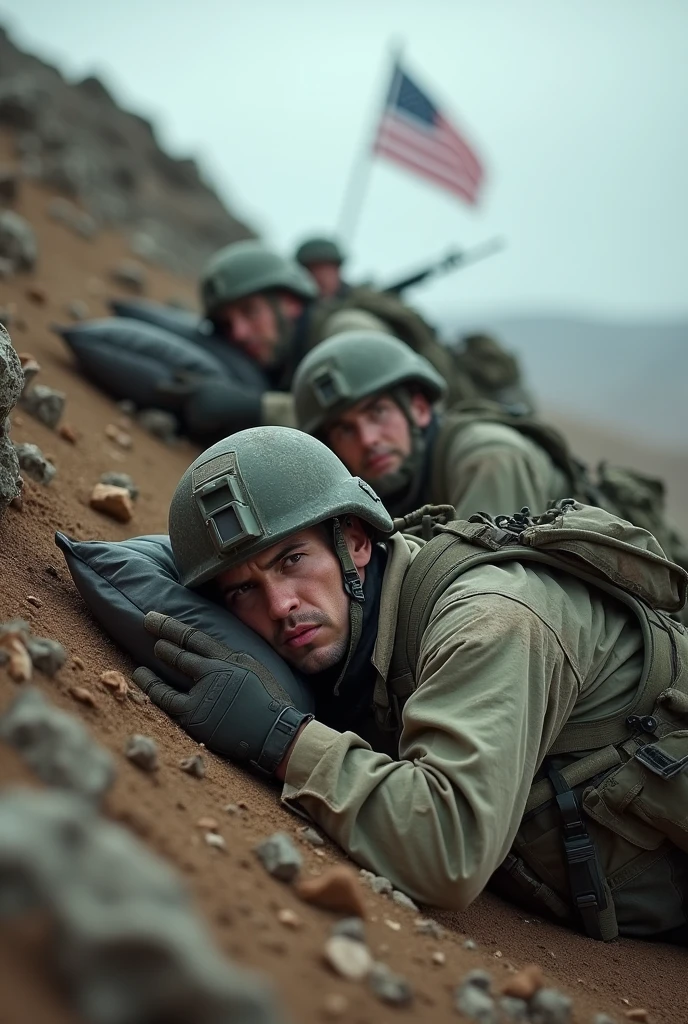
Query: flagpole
359	176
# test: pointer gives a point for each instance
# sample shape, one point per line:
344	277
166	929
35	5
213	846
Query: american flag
414	133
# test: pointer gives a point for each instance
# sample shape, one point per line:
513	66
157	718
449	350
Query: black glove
236	706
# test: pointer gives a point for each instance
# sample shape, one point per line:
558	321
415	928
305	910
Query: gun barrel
454	259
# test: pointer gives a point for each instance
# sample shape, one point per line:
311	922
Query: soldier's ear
357	540
421	409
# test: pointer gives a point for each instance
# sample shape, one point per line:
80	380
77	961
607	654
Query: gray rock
142	751
381	885
17	241
402	900
426	926
159	423
350	928
48	656
549	1006
127	944
311	836
130	274
476	1004
367	876
388	986
77	309
470	944
56	745
34	463
279	857
121	480
514	1009
11	375
45	403
350	958
193	766
10	477
9	185
479	978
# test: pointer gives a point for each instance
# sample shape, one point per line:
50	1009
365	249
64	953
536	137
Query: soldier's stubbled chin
401	491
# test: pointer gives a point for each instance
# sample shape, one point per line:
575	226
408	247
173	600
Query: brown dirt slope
230	888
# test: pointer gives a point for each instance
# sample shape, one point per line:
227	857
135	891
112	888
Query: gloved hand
236	706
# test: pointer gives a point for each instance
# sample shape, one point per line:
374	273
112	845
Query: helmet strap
285	330
354	588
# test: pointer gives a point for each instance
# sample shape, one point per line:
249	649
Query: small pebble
393	925
637	1014
68	433
14	651
525	983
439	958
142	751
382	886
231	808
388	986
470	944
36	601
351	928
115	682
115	479
118	436
112	501
83	696
77	309
335	1006
214	840
279	857
514	1009
402	900
348	957
476	1004
499	954
48	656
336	889
289	919
193	766
426	926
77	661
208	824
309	835
549	1006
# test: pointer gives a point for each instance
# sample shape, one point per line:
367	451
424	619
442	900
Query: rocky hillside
74	138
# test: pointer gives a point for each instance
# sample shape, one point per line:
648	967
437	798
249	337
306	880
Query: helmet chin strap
285	332
354	588
401	486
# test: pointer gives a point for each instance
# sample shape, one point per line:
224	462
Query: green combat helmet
348	367
255	487
246	268
319	250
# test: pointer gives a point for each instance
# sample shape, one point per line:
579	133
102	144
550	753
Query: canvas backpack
627	772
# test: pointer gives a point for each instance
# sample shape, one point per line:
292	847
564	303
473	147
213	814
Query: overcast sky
579	108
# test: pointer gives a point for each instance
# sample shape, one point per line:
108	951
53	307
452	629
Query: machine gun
455	258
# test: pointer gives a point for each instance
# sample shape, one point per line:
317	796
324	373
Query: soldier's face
373	438
293	595
252	325
327	277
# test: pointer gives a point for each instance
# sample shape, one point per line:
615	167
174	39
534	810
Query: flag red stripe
411	160
392	132
442	134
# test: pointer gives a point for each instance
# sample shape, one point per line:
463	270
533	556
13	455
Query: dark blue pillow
122	580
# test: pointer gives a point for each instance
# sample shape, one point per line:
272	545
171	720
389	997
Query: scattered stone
279	857
35	601
14	654
126	406
84	696
115	479
77	309
115	682
289	919
514	1009
336	889
470	944
525	983
36	294
45	403
473	999
48	656
309	835
161	424
402	900
33	462
17	241
9	185
439	958
393	925
30	367
231	809
389	987
426	926
637	1014
193	766
549	1006
68	433
112	501
382	886
350	928
216	841
127	943
348	957
78	662
56	745
208	823
335	1006
130	274
142	751
118	436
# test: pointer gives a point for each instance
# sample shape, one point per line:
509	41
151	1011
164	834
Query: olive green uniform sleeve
495	687
490	467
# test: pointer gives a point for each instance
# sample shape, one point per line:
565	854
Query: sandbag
129	358
201	332
121	581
